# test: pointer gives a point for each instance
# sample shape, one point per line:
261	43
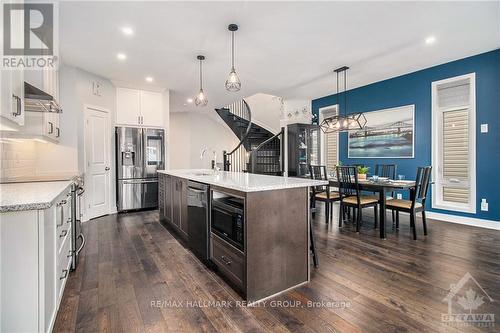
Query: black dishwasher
198	219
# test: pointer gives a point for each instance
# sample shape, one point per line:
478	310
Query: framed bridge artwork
389	133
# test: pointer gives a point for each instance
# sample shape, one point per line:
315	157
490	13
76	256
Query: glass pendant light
233	81
201	98
343	122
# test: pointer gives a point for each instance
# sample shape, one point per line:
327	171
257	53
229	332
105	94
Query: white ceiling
282	48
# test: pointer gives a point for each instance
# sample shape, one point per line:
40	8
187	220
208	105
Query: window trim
437	201
322	136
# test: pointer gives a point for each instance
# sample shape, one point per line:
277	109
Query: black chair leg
397	220
327	212
393	218
331	211
313	246
424	222
341	214
358	220
412	225
375	212
313	205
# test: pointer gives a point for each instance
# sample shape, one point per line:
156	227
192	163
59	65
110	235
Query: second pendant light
233	82
201	98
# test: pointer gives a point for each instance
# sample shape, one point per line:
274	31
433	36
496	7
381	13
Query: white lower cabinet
35	262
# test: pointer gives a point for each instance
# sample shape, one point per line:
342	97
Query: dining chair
416	203
387	171
323	193
350	195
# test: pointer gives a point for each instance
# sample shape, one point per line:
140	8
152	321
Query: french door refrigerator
139	154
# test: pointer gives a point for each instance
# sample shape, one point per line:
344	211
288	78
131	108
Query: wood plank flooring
134	276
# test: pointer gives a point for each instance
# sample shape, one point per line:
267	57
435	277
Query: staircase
259	151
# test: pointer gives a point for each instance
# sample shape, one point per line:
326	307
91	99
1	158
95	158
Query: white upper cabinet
139	108
12	81
12	98
151	109
128	103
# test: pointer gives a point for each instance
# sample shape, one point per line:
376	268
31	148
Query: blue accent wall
415	88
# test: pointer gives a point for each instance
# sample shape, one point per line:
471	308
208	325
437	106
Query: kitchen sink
202	173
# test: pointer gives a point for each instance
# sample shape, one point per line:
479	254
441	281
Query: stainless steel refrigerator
139	154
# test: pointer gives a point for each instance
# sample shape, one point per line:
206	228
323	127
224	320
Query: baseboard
489	224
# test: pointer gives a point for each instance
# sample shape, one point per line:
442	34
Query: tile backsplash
18	159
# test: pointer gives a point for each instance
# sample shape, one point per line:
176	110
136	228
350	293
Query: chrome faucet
215	168
202	153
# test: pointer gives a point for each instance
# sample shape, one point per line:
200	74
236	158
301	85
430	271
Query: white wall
266	111
296	111
190	132
18	159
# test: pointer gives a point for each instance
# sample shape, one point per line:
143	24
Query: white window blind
330	142
454	94
454	143
456	155
331	156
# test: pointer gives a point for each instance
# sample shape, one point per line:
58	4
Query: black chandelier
343	122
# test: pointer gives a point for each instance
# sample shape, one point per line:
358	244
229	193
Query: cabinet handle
18	105
63	233
64	274
60	205
58	132
139	120
225	260
51	130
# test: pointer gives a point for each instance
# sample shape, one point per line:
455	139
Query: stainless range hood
36	100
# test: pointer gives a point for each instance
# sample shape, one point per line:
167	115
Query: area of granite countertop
240	181
30	195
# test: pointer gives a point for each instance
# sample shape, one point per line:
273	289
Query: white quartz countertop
244	182
30	196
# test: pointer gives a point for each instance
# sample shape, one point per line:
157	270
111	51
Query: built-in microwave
228	221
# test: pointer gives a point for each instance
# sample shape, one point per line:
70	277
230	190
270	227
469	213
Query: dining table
382	187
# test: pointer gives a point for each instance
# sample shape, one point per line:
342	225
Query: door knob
106	168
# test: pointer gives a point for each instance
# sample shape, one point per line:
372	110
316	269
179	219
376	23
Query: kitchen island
269	251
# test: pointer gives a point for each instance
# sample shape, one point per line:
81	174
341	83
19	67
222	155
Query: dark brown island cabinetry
274	254
172	202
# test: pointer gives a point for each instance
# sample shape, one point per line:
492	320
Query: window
329	140
453	143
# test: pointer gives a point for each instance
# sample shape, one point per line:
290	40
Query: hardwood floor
134	276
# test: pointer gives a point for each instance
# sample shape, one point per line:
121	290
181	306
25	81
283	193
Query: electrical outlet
96	88
484	128
484	205
399	196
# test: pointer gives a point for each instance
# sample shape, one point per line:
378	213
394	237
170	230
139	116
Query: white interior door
97	151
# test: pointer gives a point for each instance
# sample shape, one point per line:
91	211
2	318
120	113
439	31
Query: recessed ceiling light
127	31
190	100
149	79
430	40
121	56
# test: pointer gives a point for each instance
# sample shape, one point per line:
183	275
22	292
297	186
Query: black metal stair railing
267	157
235	160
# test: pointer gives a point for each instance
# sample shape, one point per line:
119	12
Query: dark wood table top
388	185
